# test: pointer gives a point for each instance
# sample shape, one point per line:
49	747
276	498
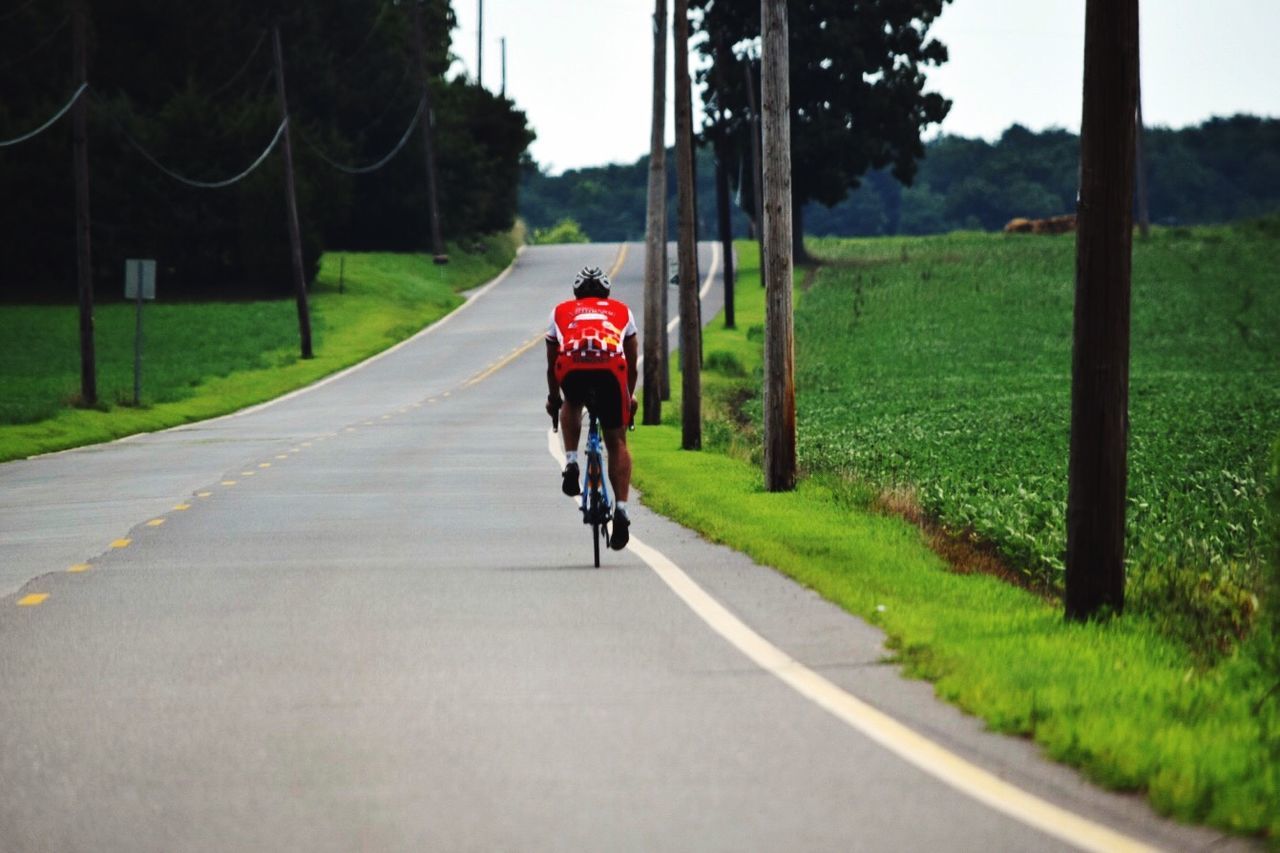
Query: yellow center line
521	350
282	455
264	464
155	522
33	599
386	417
228	482
182	507
350	429
79	567
121	543
306	444
203	494
617	264
247	473
368	423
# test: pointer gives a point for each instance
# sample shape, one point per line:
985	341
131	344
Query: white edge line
320	383
946	766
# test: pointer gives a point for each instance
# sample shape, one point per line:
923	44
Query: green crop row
938	370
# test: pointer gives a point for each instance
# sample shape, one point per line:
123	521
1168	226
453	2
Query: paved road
363	618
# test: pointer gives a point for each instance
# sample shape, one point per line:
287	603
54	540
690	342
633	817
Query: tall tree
1098	466
857	81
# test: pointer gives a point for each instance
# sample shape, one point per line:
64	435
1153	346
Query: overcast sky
581	69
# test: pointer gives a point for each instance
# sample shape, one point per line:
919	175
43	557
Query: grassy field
938	371
207	359
1133	706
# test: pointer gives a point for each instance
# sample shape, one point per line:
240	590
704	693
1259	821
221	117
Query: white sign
135	270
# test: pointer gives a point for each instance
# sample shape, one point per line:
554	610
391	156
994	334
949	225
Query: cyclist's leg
571	425
615	443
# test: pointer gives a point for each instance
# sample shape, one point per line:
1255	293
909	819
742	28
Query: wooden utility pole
664	373
655	274
291	203
1098	465
480	44
779	350
726	229
503	42
80	158
428	143
757	169
690	331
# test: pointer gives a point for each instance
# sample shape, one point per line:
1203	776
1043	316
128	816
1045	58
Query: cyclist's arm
553	350
630	350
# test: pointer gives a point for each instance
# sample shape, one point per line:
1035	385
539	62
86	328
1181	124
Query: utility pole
480	44
291	203
779	349
690	330
655	273
80	158
1098	466
726	231
428	145
757	169
503	90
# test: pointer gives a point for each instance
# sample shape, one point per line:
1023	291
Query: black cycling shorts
600	392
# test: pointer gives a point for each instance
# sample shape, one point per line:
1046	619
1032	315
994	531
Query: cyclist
591	357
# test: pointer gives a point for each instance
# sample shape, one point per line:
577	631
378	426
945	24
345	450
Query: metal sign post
139	284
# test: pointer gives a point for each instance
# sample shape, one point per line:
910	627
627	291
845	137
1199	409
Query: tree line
1222	169
192	85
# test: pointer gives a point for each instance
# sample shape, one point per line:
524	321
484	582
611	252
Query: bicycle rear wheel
596	534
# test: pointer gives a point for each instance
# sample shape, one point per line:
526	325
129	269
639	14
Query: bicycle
595	505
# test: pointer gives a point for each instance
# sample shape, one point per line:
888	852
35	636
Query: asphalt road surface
364	618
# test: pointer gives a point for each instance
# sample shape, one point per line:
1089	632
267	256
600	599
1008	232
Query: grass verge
202	360
1120	700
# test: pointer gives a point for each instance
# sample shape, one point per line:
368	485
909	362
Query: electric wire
39	47
262	37
5	143
191	182
364	170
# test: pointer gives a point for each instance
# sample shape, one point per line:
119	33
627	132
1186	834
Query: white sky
581	69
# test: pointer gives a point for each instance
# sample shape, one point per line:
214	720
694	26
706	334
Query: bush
565	231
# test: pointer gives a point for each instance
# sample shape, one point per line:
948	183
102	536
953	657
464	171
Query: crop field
937	371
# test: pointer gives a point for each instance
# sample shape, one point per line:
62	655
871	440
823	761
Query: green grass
1124	701
206	359
940	367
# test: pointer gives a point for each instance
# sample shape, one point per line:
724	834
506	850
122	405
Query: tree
857	88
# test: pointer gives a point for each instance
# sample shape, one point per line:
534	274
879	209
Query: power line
15	12
262	37
208	185
39	47
7	142
363	170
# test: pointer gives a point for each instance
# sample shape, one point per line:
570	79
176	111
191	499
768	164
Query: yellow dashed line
33	599
350	429
498	365
121	543
432	400
306	444
282	455
182	507
446	393
203	494
386	417
228	482
155	522
367	423
79	567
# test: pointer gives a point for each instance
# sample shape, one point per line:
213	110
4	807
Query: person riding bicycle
591	357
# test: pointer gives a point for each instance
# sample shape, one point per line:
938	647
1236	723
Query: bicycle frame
595	505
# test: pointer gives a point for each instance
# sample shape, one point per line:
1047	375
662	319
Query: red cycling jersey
589	333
